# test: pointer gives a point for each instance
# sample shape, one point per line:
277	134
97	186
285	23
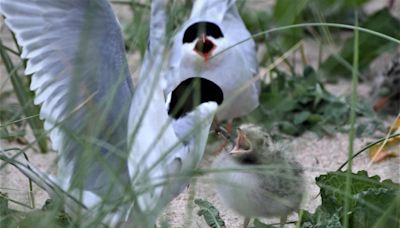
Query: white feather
158	152
76	54
234	70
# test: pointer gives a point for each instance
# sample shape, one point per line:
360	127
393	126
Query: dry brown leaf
396	125
390	149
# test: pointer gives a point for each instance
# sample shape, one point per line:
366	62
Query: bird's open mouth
202	31
204	47
243	144
192	92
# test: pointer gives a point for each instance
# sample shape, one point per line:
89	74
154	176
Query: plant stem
130	2
366	148
354	83
25	98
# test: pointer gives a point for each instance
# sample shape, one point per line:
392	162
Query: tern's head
250	141
202	37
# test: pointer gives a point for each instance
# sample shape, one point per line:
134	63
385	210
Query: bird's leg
246	222
221	148
222	132
229	126
283	221
391	4
380	103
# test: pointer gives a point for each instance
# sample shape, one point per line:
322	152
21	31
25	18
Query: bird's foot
225	133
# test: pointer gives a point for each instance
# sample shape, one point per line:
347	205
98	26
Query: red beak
204	47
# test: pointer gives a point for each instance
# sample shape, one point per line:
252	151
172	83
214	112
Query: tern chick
259	179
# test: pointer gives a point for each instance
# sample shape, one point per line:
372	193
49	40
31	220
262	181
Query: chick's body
271	183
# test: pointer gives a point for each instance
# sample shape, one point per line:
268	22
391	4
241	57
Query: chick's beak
243	145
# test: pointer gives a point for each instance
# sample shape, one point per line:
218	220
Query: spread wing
80	76
150	132
156	150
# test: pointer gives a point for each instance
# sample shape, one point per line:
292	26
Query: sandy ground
317	155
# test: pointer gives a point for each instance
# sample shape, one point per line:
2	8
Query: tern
207	46
115	143
161	162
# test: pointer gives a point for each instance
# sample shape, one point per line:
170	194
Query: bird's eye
260	142
244	143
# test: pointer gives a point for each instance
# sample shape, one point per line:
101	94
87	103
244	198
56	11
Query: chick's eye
244	143
261	142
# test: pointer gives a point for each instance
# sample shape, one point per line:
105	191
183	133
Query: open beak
243	145
204	47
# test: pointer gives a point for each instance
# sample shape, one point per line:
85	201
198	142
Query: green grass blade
354	83
25	98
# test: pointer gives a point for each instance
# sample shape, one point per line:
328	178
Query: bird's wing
75	51
236	30
149	129
156	152
215	9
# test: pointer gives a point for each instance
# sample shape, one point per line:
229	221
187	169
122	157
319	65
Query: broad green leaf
372	201
301	117
209	213
289	128
372	205
332	186
297	103
321	219
258	224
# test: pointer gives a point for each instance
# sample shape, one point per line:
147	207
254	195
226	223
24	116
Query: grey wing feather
214	8
158	25
76	54
237	31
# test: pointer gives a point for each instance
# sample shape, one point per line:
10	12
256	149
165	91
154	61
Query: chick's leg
283	221
223	132
246	222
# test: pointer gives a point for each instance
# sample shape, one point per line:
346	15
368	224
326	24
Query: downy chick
260	179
